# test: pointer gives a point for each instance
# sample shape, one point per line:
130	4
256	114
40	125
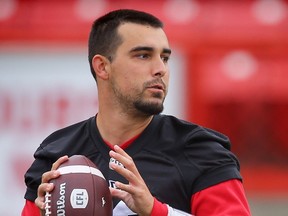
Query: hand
135	194
45	186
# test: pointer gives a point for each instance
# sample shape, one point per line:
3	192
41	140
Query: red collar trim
125	144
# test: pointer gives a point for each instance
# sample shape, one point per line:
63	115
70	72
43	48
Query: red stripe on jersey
30	209
159	209
125	144
226	198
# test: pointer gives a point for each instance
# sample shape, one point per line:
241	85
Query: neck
118	128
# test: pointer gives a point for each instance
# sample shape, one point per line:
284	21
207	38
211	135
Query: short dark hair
104	38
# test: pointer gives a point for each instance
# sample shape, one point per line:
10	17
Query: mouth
157	87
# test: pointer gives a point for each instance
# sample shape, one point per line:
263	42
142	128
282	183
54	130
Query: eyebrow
150	49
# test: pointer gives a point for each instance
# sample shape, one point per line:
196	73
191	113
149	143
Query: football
81	189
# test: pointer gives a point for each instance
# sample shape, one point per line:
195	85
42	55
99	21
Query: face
139	71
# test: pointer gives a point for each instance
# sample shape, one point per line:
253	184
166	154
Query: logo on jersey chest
113	160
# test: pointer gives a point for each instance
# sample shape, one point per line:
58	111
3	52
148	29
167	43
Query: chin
149	108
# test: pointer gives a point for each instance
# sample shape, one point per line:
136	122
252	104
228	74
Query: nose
160	68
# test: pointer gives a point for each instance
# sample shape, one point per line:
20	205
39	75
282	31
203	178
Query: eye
165	58
143	56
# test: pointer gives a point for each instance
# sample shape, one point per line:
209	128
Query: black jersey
175	158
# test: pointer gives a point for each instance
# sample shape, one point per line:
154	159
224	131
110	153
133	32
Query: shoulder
63	141
173	124
188	132
69	130
66	141
202	151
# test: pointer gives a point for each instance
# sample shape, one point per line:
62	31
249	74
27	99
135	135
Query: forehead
142	35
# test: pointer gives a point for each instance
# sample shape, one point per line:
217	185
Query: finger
125	187
127	169
126	173
119	150
42	189
57	163
54	173
120	155
117	193
135	183
45	186
47	176
39	202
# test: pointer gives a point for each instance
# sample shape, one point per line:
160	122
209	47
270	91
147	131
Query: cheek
131	79
120	75
166	79
129	83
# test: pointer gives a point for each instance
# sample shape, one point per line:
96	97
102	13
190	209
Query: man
165	166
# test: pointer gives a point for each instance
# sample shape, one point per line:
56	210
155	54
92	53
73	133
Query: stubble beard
149	108
140	106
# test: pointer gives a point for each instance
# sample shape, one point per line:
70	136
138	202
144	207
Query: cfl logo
79	198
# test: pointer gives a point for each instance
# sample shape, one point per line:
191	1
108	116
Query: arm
45	186
30	209
226	198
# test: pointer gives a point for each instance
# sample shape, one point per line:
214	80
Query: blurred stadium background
229	71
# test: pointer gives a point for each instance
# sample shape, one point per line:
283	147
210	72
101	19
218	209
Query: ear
101	66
